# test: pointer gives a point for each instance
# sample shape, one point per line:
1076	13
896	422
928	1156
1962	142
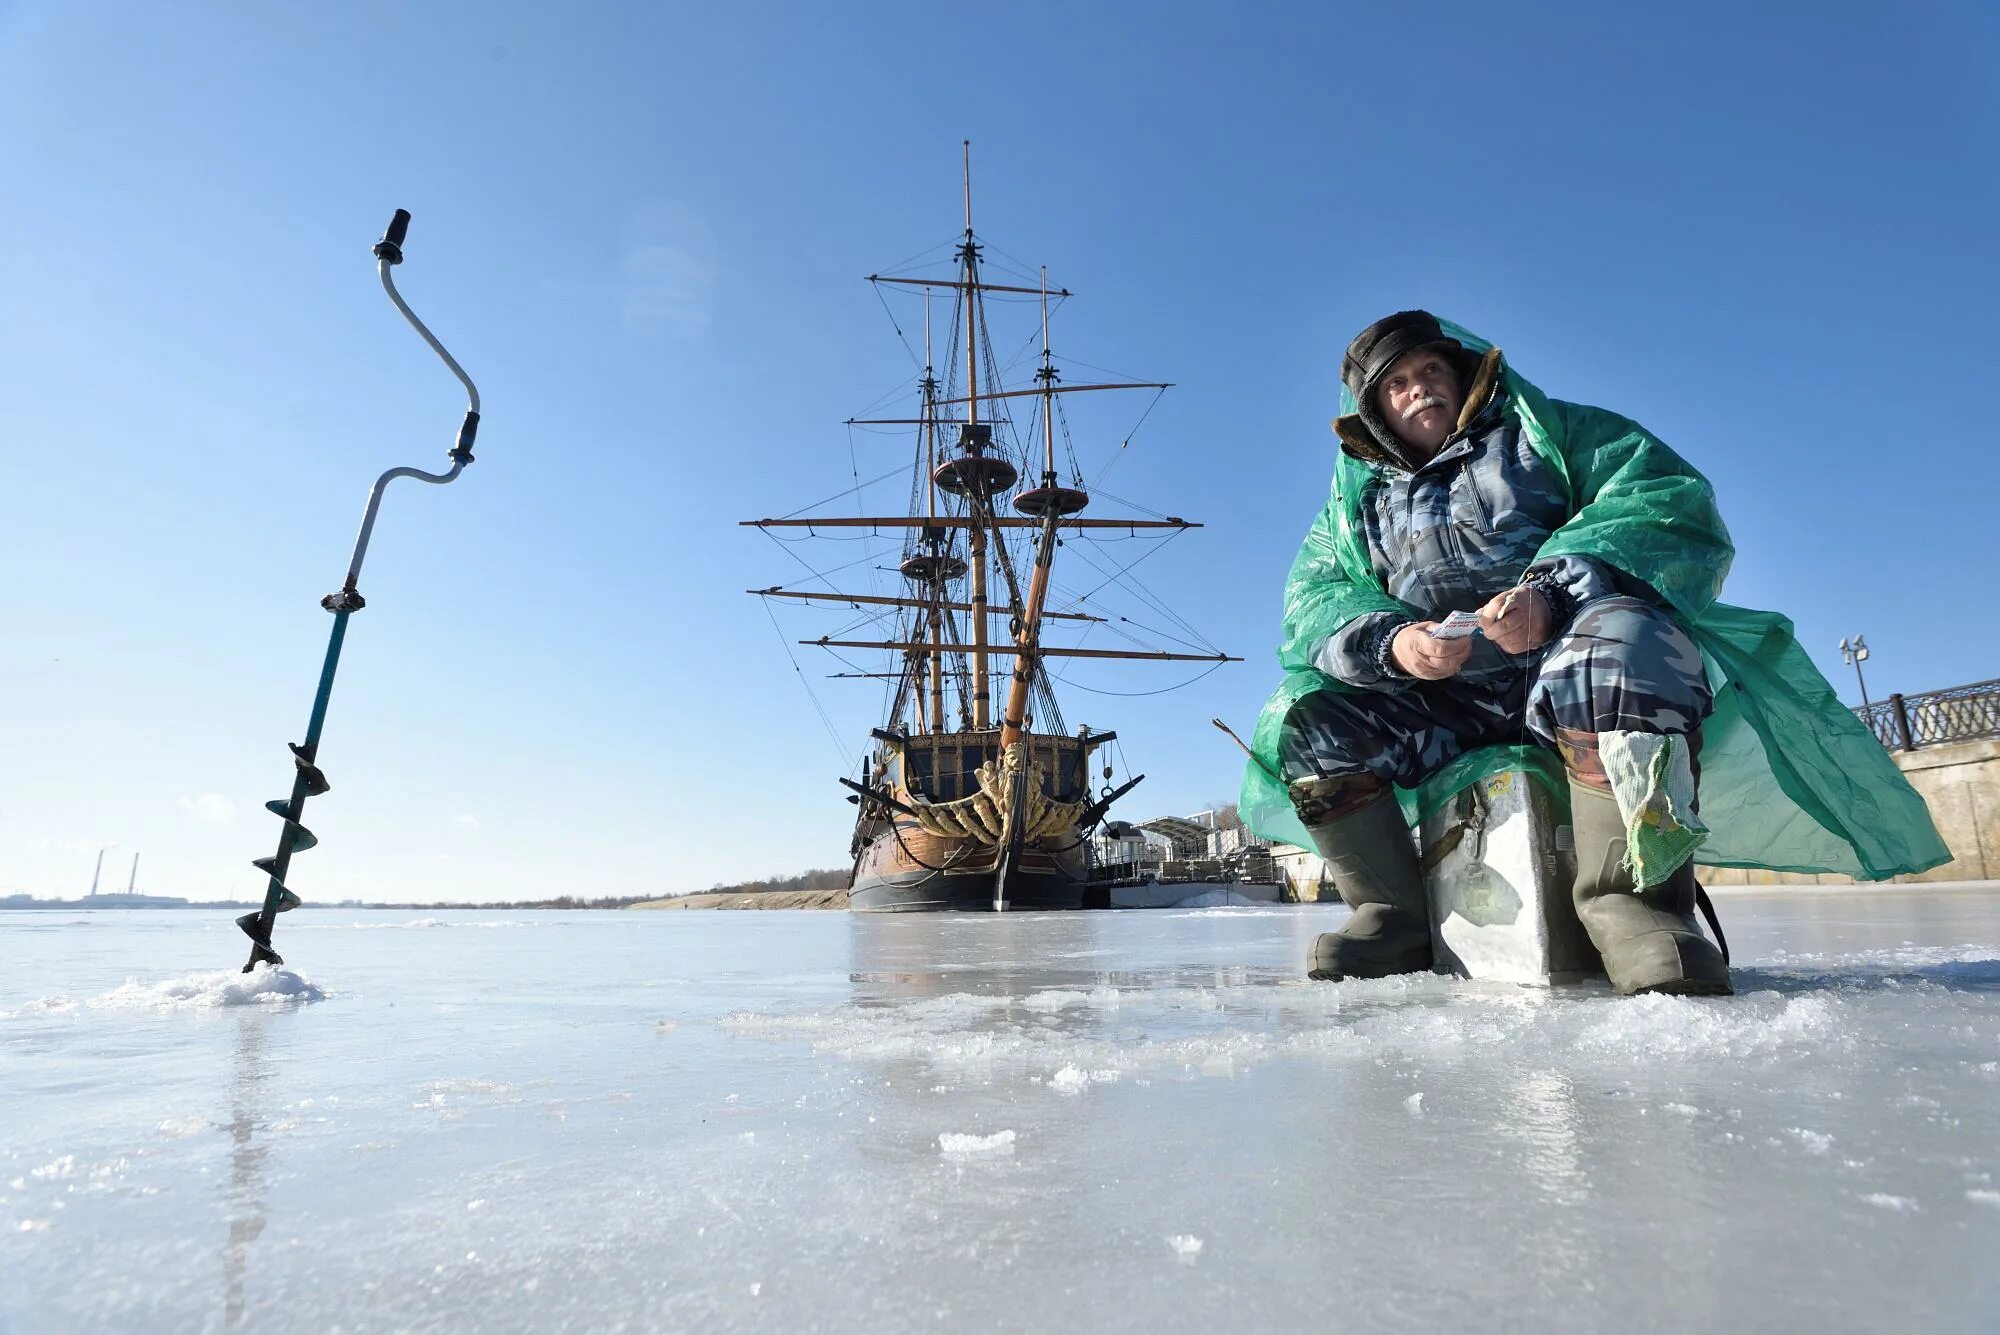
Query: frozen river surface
1092	1121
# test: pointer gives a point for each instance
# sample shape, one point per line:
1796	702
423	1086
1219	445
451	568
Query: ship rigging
975	795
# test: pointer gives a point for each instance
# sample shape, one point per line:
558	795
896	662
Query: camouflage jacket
1450	534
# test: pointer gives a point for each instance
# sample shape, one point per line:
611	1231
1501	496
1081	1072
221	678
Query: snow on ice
757	1121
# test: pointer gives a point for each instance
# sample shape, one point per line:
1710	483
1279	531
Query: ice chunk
1414	1104
961	1144
1186	1247
1899	1204
450	1097
265	986
1816	1142
1054	999
1074	1079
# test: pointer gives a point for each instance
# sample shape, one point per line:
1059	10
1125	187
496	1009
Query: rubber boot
1375	868
1648	938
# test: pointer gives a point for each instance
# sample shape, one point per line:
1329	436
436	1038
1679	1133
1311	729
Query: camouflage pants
1620	666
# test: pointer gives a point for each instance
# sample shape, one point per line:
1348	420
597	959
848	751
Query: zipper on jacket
1478	502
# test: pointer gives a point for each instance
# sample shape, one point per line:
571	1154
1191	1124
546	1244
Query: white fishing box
1499	868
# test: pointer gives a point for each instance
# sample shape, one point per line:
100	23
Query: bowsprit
308	781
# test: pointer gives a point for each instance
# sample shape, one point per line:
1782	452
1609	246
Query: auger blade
278	898
316	783
260	940
286	899
302	838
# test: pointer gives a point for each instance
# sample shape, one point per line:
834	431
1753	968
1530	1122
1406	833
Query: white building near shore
1208	845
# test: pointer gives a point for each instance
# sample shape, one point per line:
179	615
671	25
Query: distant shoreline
700	899
753	899
86	905
820	888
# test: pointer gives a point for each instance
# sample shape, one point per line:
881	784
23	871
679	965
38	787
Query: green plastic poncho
1791	780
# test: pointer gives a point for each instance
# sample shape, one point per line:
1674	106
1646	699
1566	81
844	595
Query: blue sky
643	230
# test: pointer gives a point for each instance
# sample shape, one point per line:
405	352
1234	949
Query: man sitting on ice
1591	555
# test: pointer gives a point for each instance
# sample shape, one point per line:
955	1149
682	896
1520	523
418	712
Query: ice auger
308	780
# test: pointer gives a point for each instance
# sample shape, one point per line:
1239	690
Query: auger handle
390	247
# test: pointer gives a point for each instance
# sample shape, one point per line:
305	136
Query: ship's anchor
308	780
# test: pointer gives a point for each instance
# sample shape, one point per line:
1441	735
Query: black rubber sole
1687	987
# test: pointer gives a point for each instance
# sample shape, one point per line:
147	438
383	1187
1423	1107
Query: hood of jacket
1365	436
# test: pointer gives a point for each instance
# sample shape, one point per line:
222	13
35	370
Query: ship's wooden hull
904	869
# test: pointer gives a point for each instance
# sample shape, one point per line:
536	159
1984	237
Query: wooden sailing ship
958	810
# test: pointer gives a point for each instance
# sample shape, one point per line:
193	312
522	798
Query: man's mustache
1427	401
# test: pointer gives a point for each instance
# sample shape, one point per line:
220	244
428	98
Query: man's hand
1425	658
1517	620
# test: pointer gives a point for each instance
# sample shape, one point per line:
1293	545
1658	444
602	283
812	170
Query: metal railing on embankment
1959	714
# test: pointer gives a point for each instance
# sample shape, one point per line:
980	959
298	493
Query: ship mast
975	494
1028	636
937	592
1047	375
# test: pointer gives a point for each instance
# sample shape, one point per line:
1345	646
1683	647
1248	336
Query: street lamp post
1856	653
1899	714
